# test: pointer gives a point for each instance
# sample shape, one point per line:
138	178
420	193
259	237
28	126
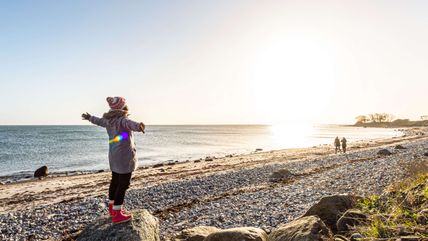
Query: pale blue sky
212	62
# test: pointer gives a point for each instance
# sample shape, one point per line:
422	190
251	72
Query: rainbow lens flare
120	137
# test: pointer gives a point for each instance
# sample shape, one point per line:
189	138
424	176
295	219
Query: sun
292	80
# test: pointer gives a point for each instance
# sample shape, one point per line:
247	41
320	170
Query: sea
23	149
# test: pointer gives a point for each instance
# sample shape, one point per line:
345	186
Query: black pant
118	185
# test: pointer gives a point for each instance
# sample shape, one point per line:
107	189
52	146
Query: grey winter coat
122	154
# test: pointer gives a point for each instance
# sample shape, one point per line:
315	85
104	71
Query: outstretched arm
94	120
132	125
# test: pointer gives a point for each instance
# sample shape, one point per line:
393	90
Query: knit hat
116	103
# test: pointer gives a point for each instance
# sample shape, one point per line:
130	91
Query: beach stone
238	234
356	237
340	238
350	218
196	233
281	175
142	227
384	152
422	217
158	165
41	172
400	147
331	208
309	228
410	238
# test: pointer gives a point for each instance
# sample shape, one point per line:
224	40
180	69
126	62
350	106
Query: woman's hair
111	114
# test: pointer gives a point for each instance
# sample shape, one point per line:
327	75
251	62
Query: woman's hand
86	116
142	127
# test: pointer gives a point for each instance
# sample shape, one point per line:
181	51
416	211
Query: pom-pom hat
116	103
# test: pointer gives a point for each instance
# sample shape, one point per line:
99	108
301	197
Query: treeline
388	120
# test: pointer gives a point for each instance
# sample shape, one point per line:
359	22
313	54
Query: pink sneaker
110	209
120	217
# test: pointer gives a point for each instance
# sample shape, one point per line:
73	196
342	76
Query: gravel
217	201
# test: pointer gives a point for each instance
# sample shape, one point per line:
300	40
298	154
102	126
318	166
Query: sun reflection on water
292	135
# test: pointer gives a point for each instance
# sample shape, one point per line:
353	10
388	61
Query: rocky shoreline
230	197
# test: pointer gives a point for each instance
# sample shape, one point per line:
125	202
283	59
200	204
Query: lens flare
118	138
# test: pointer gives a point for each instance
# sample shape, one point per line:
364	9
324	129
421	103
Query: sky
213	62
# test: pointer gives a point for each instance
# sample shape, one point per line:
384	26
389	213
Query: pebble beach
224	192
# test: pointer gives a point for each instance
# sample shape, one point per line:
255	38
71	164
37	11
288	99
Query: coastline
54	194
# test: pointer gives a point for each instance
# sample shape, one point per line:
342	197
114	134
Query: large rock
143	227
41	172
281	175
310	228
384	152
238	234
196	233
349	219
331	208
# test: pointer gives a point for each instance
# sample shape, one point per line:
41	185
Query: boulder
196	233
281	175
349	219
238	234
310	228
384	152
142	227
426	154
41	172
259	149
400	147
331	208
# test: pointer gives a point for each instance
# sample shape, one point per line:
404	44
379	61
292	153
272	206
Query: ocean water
83	148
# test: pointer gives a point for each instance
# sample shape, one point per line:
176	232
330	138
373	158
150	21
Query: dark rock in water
196	161
142	227
426	154
158	165
400	147
305	228
209	159
259	149
238	234
230	155
281	175
171	163
100	171
196	233
41	172
349	219
384	152
331	208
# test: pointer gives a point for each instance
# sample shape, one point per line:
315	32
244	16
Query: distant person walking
337	144
122	153
344	145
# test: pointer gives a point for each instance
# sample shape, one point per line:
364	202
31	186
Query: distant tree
380	117
362	119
